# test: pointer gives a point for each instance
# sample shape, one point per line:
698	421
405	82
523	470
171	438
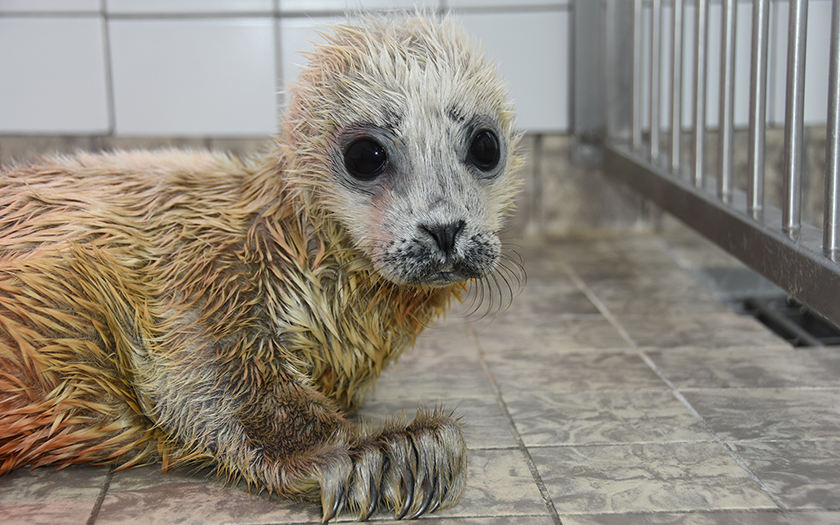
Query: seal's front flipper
412	469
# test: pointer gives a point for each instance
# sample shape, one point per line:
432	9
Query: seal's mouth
444	278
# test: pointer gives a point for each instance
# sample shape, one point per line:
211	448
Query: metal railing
617	55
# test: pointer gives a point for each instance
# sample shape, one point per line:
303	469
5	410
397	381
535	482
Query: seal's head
402	133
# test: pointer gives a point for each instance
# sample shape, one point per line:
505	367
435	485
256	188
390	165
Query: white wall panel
316	6
189	6
50	6
532	51
194	77
53	75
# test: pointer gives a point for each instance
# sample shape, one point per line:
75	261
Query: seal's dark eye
484	152
365	159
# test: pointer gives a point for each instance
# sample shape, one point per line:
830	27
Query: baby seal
191	307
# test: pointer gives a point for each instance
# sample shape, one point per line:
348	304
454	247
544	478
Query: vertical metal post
701	16
618	69
794	107
637	75
758	108
588	118
727	99
676	84
655	77
831	217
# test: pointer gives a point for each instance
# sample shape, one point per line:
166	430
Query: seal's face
419	191
420	164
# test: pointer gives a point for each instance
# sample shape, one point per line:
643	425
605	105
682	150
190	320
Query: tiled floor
614	390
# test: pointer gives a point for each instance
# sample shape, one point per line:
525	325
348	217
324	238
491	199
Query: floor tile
145	495
528	372
814	518
48	496
646	478
603	417
769	414
707	330
548	299
499	520
694	518
499	483
651	293
801	474
550	335
427	377
485	425
754	367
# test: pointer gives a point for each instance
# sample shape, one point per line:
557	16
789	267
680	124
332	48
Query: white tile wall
194	76
53	75
532	51
50	6
213	67
296	36
320	6
159	7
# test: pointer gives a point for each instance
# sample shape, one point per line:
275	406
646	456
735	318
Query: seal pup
191	307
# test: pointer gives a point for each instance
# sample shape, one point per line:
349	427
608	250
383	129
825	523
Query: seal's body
191	307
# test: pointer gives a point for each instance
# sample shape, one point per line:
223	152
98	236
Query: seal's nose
445	235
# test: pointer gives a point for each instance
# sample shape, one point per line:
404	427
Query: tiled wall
214	67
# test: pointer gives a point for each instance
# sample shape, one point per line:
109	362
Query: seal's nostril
445	235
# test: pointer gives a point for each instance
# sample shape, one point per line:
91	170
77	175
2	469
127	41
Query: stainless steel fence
618	56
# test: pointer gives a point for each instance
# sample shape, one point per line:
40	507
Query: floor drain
793	321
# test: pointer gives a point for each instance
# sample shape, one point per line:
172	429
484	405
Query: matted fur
187	306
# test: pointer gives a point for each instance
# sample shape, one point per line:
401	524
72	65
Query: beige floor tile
603	417
146	496
499	483
422	375
50	497
705	330
646	478
752	367
801	474
693	518
485	425
528	372
545	335
22	150
498	520
769	414
814	518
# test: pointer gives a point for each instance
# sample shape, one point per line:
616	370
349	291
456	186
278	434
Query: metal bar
797	267
588	119
655	77
831	217
676	83
618	68
727	99
700	22
758	108
794	107
637	75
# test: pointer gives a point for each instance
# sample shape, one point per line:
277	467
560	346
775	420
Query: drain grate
793	321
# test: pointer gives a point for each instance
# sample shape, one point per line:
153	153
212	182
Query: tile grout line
720	441
97	506
555	516
674	390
